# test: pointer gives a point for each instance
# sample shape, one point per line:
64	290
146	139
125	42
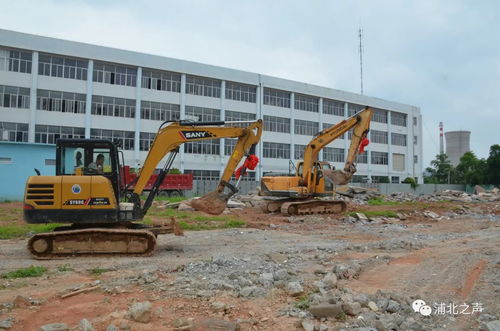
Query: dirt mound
212	203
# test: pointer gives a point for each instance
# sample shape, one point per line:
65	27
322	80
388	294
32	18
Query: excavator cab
89	157
322	186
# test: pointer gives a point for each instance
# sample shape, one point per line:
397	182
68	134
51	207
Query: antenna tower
360	35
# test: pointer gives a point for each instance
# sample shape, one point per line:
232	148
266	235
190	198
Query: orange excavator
86	191
296	194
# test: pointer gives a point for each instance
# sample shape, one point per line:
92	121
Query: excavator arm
360	123
169	139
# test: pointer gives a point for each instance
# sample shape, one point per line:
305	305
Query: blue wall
24	158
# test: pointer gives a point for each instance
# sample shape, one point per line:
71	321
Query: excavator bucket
338	177
212	203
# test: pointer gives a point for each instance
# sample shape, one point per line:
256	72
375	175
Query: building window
395	179
203	86
359	179
276	98
329	125
13	60
306	128
398	162
211	147
229	145
353	109
380	158
124	139
398	139
398	119
145	141
379	137
362	158
332	154
276	150
299	151
203	174
109	106
380	179
158	111
306	102
5	160
59	66
14	97
199	114
161	80
48	134
379	116
415	159
276	124
415	140
114	74
17	132
238	116
414	120
241	92
333	107
65	102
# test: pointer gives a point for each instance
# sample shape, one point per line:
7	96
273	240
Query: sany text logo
195	134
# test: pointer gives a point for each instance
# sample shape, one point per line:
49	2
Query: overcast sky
442	56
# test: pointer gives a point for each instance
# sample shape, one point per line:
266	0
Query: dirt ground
453	259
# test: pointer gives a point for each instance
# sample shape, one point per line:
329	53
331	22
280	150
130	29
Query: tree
441	171
493	165
471	170
411	181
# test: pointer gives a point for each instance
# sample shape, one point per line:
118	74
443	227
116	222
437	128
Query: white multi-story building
51	88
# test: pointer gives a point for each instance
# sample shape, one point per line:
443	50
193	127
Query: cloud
442	56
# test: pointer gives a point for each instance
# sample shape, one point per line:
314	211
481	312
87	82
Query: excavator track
92	241
310	207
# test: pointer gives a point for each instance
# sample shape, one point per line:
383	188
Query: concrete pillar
389	146
260	152
421	151
88	100
320	123
33	93
137	134
292	126
182	103
222	118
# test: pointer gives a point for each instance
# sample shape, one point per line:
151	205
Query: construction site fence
201	187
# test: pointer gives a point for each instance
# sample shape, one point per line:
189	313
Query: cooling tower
457	144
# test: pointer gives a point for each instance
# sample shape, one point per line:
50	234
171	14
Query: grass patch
205	225
375	213
13	231
170	199
97	271
64	268
32	271
303	303
169	212
379	201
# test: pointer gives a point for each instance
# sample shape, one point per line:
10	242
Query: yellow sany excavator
85	192
314	178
